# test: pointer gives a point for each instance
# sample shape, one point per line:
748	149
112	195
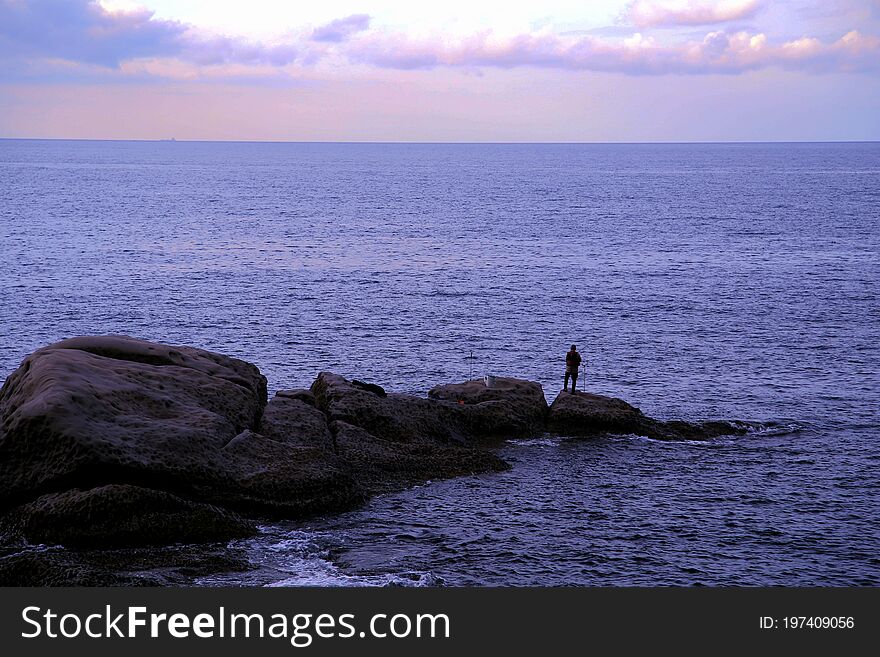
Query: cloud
83	31
342	28
655	13
88	32
229	50
717	52
51	39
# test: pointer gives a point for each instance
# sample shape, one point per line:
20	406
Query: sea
729	281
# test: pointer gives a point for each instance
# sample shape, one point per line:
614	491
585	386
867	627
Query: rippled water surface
729	281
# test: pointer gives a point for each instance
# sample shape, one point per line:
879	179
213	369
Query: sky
458	70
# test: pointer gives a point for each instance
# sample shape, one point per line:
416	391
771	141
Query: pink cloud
717	52
43	37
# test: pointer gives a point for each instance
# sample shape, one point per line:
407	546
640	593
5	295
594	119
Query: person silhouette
572	363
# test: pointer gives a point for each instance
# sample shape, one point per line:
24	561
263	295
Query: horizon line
450	143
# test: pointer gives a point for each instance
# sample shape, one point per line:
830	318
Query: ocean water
735	281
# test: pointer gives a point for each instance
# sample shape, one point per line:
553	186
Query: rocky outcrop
585	414
89	412
390	441
116	441
112	441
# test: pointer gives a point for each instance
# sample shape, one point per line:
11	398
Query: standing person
572	363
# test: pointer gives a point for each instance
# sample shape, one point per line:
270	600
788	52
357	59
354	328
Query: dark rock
89	411
303	394
466	413
60	568
93	411
370	387
290	419
680	430
171	565
510	408
284	480
395	417
585	414
581	413
382	465
394	441
124	515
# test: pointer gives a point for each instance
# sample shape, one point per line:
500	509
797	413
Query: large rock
510	408
585	414
465	413
87	412
582	413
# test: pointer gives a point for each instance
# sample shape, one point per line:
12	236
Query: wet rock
170	565
120	514
680	430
